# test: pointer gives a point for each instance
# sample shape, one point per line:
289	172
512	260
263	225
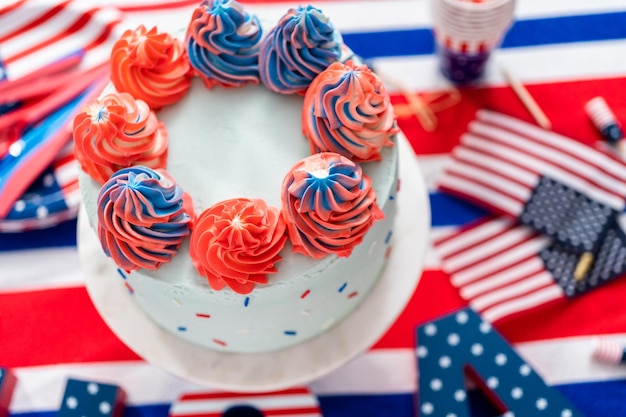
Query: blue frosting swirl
141	219
223	43
296	50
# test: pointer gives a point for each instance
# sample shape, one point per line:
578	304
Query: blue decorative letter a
461	342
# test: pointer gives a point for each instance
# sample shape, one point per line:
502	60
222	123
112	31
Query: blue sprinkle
391	197
246	302
121	273
290	332
343	287
388	238
182	329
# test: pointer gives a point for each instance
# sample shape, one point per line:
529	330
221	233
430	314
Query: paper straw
527	100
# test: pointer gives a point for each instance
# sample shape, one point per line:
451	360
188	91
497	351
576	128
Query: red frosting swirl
347	110
151	66
236	242
328	204
116	132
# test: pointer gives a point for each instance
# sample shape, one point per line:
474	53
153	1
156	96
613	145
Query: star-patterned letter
460	342
92	399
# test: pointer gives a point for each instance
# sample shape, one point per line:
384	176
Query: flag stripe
531	300
501	183
203	395
510	149
602	162
525	267
592	168
514	290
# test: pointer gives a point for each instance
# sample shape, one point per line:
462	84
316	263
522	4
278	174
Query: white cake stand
288	367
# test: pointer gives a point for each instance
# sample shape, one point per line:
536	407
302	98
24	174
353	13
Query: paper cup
466	32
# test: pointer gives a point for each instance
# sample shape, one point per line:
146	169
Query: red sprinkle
219	342
304	294
353	294
130	289
204	316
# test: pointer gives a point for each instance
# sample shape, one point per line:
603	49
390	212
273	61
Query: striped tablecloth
566	52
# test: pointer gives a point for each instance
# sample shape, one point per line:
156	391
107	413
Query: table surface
565	52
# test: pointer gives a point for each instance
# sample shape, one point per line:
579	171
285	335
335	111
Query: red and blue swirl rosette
223	43
328	204
347	110
141	218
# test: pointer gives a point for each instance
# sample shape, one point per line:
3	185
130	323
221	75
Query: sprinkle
306	312
388	238
219	342
328	323
290	332
246	302
176	302
130	289
372	246
388	252
392	197
343	287
353	294
203	316
304	294
182	329
119	271
398	186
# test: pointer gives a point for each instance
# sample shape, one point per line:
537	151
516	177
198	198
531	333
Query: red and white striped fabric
496	267
501	159
36	33
295	402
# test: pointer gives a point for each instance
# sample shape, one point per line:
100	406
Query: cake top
326	203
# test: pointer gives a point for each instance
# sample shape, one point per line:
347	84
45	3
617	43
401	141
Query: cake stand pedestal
291	366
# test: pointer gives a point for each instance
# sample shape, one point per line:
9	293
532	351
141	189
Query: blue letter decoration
460	342
89	399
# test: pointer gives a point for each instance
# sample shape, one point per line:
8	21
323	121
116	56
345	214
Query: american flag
565	52
541	182
557	185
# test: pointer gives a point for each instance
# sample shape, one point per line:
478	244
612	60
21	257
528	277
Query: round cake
243	179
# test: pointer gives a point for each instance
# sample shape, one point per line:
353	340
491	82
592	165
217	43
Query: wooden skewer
527	100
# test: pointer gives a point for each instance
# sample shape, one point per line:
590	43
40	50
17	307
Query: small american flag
558	186
559	234
295	402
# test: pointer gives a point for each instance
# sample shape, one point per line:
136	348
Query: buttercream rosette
151	66
347	110
300	46
115	132
236	243
328	204
223	43
141	219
